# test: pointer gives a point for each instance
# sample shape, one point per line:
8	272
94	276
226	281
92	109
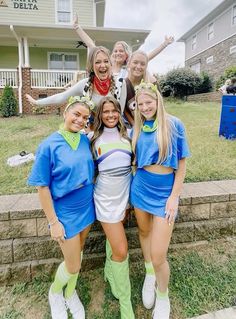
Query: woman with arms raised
121	51
99	83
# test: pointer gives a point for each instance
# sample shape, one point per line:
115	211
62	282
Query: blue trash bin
228	117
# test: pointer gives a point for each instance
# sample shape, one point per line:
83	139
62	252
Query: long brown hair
98	123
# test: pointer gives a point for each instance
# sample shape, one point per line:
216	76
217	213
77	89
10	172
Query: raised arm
155	52
82	34
59	98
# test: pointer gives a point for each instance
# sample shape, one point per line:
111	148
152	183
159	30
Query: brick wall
207	211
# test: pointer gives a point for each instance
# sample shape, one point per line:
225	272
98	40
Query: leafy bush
229	73
165	89
39	109
8	102
205	85
183	81
180	82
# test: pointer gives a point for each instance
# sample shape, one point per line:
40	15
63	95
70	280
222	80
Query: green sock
72	281
61	278
149	268
162	295
70	288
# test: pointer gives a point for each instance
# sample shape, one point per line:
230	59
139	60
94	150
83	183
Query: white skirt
111	197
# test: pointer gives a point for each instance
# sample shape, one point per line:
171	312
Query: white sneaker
148	291
162	309
75	306
57	305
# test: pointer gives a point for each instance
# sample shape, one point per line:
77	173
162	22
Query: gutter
20	54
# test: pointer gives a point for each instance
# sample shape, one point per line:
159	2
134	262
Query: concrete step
229	313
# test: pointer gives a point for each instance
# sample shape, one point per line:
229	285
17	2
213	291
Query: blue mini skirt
150	191
76	210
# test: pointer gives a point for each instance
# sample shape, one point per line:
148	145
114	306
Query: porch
38	83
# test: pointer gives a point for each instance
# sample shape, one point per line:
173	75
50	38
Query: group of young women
64	175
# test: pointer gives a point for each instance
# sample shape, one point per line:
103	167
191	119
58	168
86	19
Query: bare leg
144	221
115	233
83	236
160	241
71	249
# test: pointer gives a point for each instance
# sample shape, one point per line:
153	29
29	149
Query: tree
8	102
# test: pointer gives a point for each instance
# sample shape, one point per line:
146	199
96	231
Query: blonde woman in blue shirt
160	147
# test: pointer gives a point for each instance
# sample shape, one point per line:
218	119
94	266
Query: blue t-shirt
147	151
60	167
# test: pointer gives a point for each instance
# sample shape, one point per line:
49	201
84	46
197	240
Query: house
39	49
210	45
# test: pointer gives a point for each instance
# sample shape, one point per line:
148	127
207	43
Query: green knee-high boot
108	276
120	271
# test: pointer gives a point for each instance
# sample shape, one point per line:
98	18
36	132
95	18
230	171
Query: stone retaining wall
207	211
205	97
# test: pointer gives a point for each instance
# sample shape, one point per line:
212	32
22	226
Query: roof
207	19
66	37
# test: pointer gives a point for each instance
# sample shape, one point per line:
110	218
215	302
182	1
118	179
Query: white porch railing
54	78
8	77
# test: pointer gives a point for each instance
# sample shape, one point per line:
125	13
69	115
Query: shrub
181	82
205	85
8	102
165	89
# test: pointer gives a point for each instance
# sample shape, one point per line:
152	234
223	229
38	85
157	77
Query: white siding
223	29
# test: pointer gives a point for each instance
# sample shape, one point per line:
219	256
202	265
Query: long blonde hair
145	74
88	89
164	130
98	123
126	48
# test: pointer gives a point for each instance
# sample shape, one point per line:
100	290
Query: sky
162	17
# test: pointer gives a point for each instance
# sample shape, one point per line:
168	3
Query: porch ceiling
66	37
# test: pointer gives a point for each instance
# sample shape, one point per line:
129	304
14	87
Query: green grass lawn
213	158
201	281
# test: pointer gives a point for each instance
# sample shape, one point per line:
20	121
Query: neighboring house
210	45
37	38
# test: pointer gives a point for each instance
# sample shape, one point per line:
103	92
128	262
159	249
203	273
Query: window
63	61
234	16
194	42
63	11
196	67
232	49
210	59
210	34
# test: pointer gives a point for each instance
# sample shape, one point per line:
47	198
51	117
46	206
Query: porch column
26	89
26	52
